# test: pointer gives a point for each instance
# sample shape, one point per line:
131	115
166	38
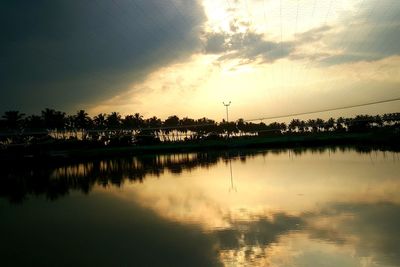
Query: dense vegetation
114	130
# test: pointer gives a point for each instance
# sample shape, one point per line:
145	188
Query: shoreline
380	140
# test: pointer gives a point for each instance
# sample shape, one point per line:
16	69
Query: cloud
216	43
371	33
248	47
313	35
262	231
65	54
370	227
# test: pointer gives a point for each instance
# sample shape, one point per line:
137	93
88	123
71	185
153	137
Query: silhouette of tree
128	122
154	122
113	120
172	121
34	122
82	120
13	119
133	121
138	120
111	129
329	124
240	124
293	125
313	125
340	122
320	124
273	129
301	126
360	123
205	127
100	121
187	124
378	121
53	119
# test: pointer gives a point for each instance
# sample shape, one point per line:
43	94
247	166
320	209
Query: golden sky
274	58
332	202
185	57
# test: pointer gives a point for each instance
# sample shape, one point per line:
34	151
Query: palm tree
329	124
340	124
138	119
319	123
113	120
34	122
82	120
361	123
153	122
293	125
274	128
53	119
13	119
313	125
302	126
100	121
378	121
128	122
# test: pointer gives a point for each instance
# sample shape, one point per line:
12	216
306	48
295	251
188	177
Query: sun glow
268	58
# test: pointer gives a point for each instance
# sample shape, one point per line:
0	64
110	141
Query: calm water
326	207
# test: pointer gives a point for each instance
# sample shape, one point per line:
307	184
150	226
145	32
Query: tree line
113	128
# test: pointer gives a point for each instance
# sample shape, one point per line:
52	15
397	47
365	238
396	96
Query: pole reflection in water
232	188
325	208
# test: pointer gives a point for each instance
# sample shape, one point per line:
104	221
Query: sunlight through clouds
268	55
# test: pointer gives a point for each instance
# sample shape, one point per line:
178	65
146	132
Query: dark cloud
215	43
248	46
68	53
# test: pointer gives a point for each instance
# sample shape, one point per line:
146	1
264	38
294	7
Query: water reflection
233	187
320	207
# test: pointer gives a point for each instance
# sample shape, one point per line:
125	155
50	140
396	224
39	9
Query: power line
325	110
193	126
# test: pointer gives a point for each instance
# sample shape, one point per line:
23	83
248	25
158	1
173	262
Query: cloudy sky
184	57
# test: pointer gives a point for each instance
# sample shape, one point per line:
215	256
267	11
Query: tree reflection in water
55	180
346	215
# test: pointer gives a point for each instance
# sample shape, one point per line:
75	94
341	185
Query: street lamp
227	117
226	106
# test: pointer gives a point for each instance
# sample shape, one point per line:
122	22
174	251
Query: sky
185	57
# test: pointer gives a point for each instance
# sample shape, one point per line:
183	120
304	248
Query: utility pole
227	115
226	106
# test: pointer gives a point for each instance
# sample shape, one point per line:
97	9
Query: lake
303	207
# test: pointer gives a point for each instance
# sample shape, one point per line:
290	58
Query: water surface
320	207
